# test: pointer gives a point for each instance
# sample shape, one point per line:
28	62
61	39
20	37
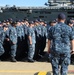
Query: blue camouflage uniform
25	29
7	45
13	40
26	38
72	28
20	43
2	36
31	46
48	27
61	35
18	29
22	32
43	39
38	32
72	56
19	39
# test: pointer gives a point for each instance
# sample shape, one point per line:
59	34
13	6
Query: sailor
22	44
43	37
6	44
22	31
38	32
19	39
51	23
31	42
61	35
41	45
25	26
71	24
3	30
13	41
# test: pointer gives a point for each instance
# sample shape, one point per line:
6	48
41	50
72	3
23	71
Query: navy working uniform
22	41
38	32
43	42
19	41
31	46
26	38
6	45
2	36
13	41
70	23
61	35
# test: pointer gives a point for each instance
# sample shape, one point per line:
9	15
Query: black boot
13	59
31	60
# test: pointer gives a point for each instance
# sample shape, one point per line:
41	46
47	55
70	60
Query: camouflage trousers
1	49
13	50
31	51
60	63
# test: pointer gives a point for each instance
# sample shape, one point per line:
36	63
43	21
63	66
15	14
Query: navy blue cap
61	16
26	19
31	22
36	20
14	22
40	20
10	19
70	22
53	21
7	20
18	20
22	20
4	21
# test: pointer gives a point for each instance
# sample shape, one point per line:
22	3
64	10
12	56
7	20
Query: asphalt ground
26	68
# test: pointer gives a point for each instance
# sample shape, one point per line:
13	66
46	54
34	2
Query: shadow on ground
48	73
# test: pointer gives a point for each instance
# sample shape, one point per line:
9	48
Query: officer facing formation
62	37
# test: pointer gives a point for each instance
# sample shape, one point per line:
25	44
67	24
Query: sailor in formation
17	43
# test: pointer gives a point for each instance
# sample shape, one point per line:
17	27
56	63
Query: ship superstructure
47	13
